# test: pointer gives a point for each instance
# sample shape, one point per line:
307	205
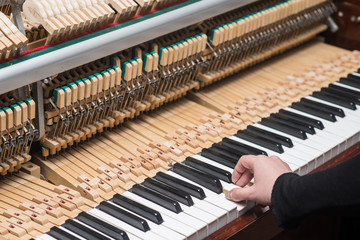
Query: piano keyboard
188	202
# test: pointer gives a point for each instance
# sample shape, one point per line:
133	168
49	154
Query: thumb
240	194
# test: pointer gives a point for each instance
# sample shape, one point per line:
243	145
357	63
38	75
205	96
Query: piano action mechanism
113	112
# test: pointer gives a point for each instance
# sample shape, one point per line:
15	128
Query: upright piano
123	119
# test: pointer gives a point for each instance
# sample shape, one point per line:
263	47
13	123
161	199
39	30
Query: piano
124	119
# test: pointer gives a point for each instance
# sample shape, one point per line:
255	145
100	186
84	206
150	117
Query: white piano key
84	224
174	221
293	162
124	226
157	229
72	233
45	237
343	134
216	199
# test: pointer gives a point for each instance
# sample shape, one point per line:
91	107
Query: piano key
252	137
336	111
46	237
313	122
157	228
137	208
272	136
216	172
344	89
219	158
195	191
204	205
242	147
283	128
73	235
341	92
153	196
219	200
347	86
313	111
354	77
83	231
340	134
122	215
293	162
293	123
350	80
299	126
59	233
201	178
223	149
334	94
123	225
176	194
181	222
118	231
335	99
102	226
227	186
311	147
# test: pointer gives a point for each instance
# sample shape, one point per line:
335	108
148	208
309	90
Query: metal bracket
37	91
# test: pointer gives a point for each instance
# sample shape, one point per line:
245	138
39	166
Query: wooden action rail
82	102
11	39
116	160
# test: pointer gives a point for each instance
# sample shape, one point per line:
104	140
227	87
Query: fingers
240	194
244	165
244	178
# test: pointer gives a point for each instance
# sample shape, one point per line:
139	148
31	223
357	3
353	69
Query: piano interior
123	119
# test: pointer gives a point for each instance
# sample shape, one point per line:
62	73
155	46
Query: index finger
246	162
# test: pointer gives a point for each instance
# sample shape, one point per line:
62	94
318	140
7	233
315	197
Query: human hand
265	170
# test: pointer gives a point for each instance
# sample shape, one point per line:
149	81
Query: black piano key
351	92
102	226
138	208
169	191
334	110
313	111
300	126
283	128
349	82
254	138
83	231
201	178
219	158
344	94
195	191
271	136
313	122
353	77
242	147
157	198
222	149
208	168
348	102
124	216
333	98
60	234
305	126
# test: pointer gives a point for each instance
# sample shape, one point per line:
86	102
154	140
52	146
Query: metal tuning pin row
259	35
17	133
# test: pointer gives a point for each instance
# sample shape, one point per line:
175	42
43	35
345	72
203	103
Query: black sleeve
335	191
